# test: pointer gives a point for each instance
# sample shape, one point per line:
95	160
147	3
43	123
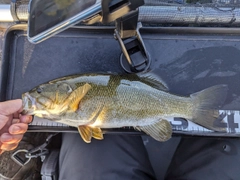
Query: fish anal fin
160	131
97	133
86	133
76	96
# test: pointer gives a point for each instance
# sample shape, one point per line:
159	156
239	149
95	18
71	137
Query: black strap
49	170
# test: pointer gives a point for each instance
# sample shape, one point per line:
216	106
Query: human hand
12	124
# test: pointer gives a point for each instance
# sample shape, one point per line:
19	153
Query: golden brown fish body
91	102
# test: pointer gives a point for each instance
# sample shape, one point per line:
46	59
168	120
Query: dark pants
142	158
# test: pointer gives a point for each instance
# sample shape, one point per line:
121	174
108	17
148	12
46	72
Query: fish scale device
229	120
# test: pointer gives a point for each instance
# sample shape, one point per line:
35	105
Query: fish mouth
28	104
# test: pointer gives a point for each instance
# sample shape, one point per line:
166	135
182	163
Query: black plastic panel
187	59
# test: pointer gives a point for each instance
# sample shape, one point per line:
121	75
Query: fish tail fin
206	104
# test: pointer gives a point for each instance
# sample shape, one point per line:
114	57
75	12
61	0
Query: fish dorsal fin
63	79
75	97
161	131
97	133
153	80
86	133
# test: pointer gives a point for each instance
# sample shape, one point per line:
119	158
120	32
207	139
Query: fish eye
39	90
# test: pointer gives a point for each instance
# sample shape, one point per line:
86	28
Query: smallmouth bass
94	101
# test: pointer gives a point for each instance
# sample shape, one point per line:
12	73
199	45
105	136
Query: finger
15	121
3	120
18	128
8	147
16	115
7	138
1	151
26	118
10	107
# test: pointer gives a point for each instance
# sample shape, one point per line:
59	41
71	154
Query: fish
91	102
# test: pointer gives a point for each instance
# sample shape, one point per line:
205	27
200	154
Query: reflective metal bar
159	14
189	15
5	13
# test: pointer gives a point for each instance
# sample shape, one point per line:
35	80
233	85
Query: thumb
10	107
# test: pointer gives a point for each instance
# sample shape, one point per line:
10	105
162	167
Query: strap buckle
20	161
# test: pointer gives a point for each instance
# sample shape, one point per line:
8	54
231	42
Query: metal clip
114	9
134	57
19	160
13	10
40	151
35	154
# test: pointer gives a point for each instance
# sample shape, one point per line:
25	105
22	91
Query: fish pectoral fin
86	133
161	131
76	96
97	133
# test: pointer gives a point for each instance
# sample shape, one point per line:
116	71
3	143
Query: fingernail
16	129
29	119
6	137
